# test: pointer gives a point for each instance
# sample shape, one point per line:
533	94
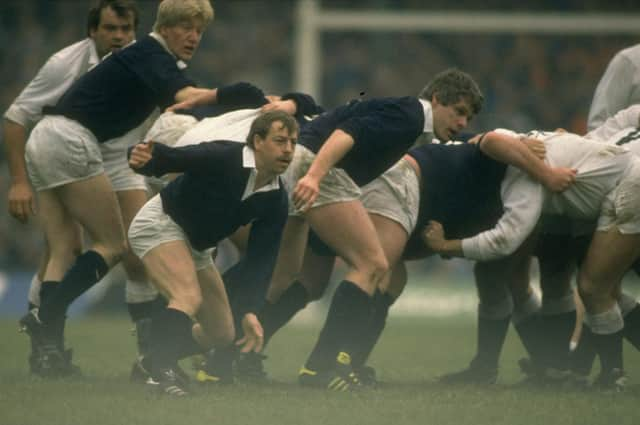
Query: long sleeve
48	86
306	105
193	158
627	118
248	280
613	91
522	200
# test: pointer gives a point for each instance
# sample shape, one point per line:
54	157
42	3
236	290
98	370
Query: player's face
449	120
113	32
184	37
274	153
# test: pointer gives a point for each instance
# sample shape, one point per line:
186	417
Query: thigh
172	270
62	233
398	279
608	258
348	230
290	256
392	237
130	202
94	205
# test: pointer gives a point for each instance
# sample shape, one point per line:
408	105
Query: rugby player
225	185
111	25
339	152
65	164
605	189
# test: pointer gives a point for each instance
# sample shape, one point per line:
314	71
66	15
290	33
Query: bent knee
187	301
376	268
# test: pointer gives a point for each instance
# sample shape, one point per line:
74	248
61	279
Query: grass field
412	353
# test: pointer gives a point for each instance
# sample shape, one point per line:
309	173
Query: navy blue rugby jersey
383	130
121	92
206	202
460	188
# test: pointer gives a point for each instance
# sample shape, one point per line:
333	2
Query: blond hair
172	12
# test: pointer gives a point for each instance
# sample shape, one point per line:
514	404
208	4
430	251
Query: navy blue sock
146	309
275	316
491	334
530	332
609	349
581	360
47	289
171	339
88	269
348	316
631	329
381	304
557	330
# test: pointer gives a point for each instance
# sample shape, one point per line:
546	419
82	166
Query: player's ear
256	141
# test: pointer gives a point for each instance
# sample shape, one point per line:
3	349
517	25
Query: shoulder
64	59
628	56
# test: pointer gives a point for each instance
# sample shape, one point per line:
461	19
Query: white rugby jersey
600	166
52	81
233	126
622	129
618	88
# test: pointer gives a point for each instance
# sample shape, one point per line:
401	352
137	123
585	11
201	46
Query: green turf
411	355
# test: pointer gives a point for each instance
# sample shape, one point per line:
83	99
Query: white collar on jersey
93	54
428	116
249	161
180	63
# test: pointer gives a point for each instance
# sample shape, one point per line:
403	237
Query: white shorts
169	127
60	151
336	186
395	195
116	165
621	207
114	158
152	227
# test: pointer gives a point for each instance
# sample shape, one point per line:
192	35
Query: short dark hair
121	7
452	85
262	124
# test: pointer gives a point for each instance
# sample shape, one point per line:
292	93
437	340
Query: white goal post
311	20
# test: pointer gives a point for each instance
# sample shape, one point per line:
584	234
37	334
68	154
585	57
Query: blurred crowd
529	81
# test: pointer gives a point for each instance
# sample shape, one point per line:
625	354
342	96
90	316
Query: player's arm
156	159
627	118
21	201
237	95
522	200
295	104
251	276
333	150
612	92
45	89
510	150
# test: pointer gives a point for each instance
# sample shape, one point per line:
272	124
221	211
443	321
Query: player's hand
560	179
21	201
433	236
535	146
253	339
305	193
288	106
141	154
